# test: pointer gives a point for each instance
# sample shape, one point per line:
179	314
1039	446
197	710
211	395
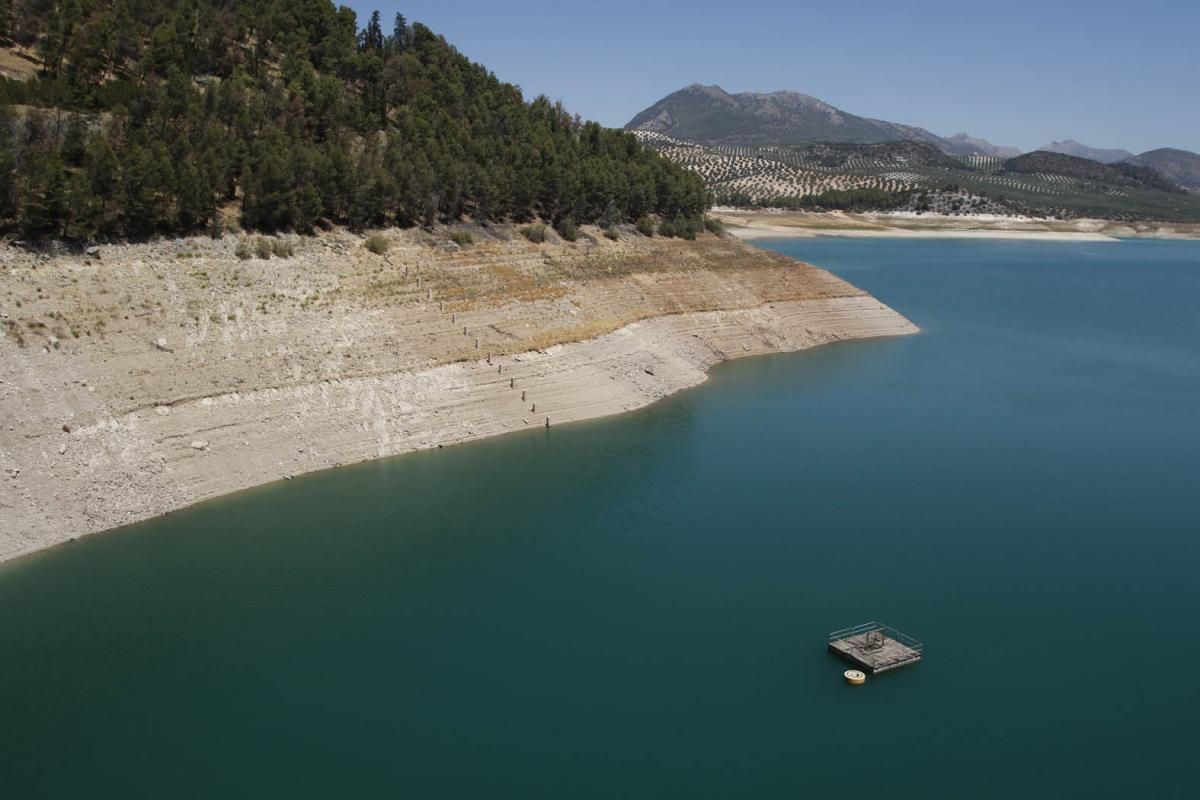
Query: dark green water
637	607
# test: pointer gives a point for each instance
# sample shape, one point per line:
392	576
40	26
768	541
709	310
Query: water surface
636	607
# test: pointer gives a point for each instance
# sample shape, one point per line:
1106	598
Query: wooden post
547	423
533	409
476	342
512	383
499	369
430	294
522	395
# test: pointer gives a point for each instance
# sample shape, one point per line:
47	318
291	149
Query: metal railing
872	627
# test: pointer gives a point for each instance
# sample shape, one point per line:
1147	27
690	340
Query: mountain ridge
708	114
1180	166
1071	147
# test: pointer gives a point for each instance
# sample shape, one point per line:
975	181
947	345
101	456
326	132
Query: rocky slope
144	378
710	115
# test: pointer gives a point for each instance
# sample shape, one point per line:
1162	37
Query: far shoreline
777	224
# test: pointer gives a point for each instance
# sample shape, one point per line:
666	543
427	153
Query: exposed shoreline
118	429
767	224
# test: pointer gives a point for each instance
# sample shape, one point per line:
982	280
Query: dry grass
18	64
588	329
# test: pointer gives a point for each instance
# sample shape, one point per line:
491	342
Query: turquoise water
636	607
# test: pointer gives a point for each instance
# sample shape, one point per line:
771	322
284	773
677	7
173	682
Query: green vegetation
612	233
263	247
682	227
844	200
645	226
534	233
378	244
462	238
148	117
715	226
567	229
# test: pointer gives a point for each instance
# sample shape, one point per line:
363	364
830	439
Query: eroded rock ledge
156	376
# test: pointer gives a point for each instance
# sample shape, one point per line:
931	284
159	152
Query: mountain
1071	147
1179	166
288	116
1042	162
710	115
961	144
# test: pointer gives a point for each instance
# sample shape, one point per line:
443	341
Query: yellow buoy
855	677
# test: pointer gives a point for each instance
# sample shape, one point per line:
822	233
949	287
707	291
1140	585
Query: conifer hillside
145	117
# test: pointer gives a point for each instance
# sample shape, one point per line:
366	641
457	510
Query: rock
162	411
199	444
93	251
62	448
649	371
14	472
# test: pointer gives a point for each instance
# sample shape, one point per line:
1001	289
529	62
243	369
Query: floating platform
875	647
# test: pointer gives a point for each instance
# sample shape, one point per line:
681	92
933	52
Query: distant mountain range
964	145
709	115
1071	147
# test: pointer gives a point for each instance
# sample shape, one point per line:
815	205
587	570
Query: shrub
262	247
283	249
645	226
714	226
378	244
243	251
567	229
534	233
462	238
682	227
611	232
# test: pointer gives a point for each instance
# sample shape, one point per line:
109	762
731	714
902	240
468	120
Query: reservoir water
637	606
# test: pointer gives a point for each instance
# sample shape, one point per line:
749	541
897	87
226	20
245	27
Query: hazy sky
1110	74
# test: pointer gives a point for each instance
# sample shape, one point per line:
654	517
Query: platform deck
875	648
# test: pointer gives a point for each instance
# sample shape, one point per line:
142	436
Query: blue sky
1110	74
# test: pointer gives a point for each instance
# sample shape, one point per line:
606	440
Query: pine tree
399	34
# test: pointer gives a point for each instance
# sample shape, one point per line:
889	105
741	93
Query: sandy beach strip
786	232
779	224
